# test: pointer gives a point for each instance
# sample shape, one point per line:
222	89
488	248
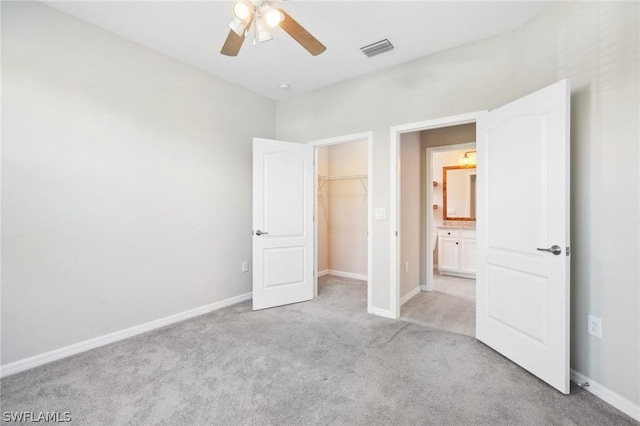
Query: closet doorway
342	219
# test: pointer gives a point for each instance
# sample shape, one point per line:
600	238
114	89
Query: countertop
467	228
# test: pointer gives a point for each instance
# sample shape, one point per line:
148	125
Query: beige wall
126	183
323	201
347	227
451	135
595	44
410	205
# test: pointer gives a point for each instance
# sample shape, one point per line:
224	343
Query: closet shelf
323	179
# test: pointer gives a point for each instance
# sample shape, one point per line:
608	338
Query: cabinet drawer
470	234
449	233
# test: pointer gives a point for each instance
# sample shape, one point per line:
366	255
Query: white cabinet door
468	254
282	223
522	303
448	254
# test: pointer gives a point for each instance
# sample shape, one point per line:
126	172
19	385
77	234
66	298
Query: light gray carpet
320	362
451	307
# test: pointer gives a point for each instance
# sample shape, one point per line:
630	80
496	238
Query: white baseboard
347	275
323	273
47	357
409	295
381	313
607	395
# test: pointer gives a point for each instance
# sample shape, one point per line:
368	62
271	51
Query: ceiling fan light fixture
238	26
241	10
273	17
263	33
262	16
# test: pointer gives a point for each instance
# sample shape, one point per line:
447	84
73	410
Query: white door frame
394	189
429	285
368	136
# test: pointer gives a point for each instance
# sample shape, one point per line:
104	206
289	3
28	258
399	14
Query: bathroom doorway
446	172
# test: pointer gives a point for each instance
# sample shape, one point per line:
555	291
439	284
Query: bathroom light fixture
466	160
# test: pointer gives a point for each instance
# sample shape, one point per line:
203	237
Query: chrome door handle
259	232
554	249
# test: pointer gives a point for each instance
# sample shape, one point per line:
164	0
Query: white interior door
282	223
523	206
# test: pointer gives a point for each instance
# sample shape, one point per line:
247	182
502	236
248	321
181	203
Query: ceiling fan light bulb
274	17
241	10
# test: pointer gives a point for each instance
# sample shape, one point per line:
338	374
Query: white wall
347	229
410	214
126	182
435	86
115	160
596	46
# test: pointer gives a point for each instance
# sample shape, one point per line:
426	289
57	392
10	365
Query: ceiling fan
260	15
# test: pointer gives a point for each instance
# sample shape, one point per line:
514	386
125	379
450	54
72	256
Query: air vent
377	48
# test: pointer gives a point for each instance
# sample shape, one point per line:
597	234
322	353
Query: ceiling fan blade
232	45
301	35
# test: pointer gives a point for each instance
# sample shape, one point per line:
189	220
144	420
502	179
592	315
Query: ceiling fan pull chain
255	26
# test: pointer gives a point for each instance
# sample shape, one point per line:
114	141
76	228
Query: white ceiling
194	31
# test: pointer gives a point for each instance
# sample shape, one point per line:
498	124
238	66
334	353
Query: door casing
394	199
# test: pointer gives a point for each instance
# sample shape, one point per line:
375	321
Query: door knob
554	249
259	232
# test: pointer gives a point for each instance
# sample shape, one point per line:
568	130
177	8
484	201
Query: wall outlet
245	266
406	266
595	326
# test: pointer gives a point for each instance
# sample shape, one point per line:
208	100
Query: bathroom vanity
457	251
457	238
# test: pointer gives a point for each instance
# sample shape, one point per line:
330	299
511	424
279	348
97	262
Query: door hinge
396	233
568	251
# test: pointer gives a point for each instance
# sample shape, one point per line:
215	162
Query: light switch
380	213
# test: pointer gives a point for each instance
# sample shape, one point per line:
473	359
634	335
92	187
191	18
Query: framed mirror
459	192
